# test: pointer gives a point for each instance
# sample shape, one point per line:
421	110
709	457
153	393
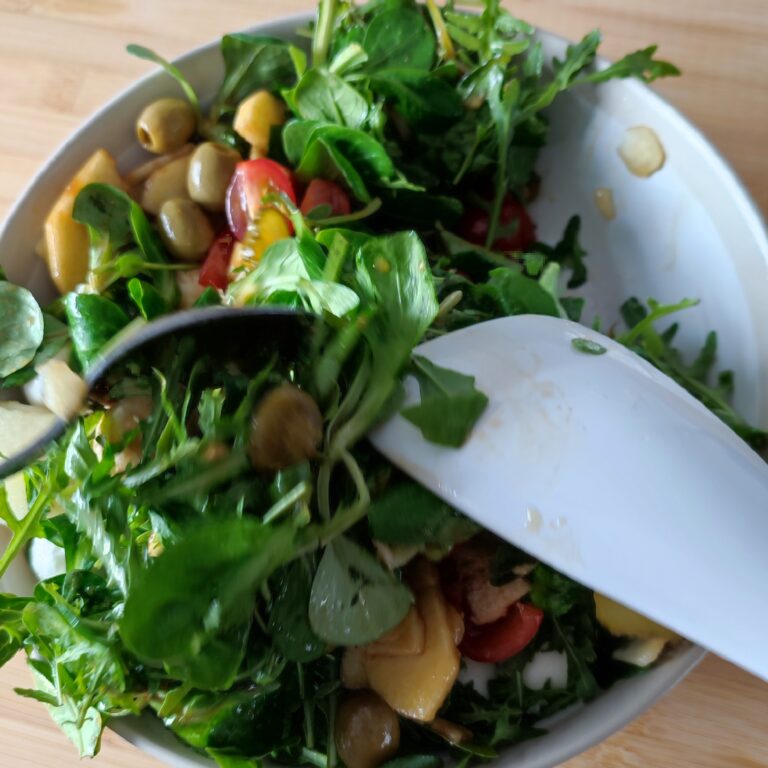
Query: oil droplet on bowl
533	520
605	202
642	151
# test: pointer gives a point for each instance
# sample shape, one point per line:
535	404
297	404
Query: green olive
166	125
185	229
287	428
367	730
166	183
210	171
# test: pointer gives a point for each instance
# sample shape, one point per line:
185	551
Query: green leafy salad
217	544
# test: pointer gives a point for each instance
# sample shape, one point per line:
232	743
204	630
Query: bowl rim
147	732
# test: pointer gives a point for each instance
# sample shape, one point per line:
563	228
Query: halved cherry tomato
325	193
215	269
474	226
504	638
252	180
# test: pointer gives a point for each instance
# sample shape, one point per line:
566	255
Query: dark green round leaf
21	328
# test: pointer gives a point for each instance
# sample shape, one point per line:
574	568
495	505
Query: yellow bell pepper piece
66	241
255	117
624	622
414	685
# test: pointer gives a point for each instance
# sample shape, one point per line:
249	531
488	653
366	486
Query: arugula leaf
450	404
639	64
553	592
79	670
354	600
83	729
197	598
569	252
289	623
12	629
407	514
237	727
93	321
643	338
21	328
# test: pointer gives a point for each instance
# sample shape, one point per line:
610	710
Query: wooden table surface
61	59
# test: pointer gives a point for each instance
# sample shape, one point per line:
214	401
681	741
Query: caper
165	125
287	428
166	183
185	229
367	730
210	171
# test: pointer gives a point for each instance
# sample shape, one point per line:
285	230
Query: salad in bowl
217	546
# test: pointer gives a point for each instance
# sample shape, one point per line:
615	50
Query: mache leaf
201	591
399	37
21	328
324	96
93	320
354	600
145	53
289	623
254	62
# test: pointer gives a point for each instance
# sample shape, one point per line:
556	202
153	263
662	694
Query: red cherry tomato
474	226
215	269
322	192
252	180
503	639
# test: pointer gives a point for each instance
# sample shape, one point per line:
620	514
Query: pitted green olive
367	730
210	171
287	428
185	229
165	125
166	183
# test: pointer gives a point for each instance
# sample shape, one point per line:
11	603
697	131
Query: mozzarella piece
58	388
546	667
46	559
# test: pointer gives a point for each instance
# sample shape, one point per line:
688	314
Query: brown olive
287	428
185	229
210	171
367	730
165	184
165	125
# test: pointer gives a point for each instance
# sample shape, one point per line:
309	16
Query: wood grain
61	59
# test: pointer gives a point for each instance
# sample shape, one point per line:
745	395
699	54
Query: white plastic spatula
610	472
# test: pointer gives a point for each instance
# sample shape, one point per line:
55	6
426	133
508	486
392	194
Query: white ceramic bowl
689	231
